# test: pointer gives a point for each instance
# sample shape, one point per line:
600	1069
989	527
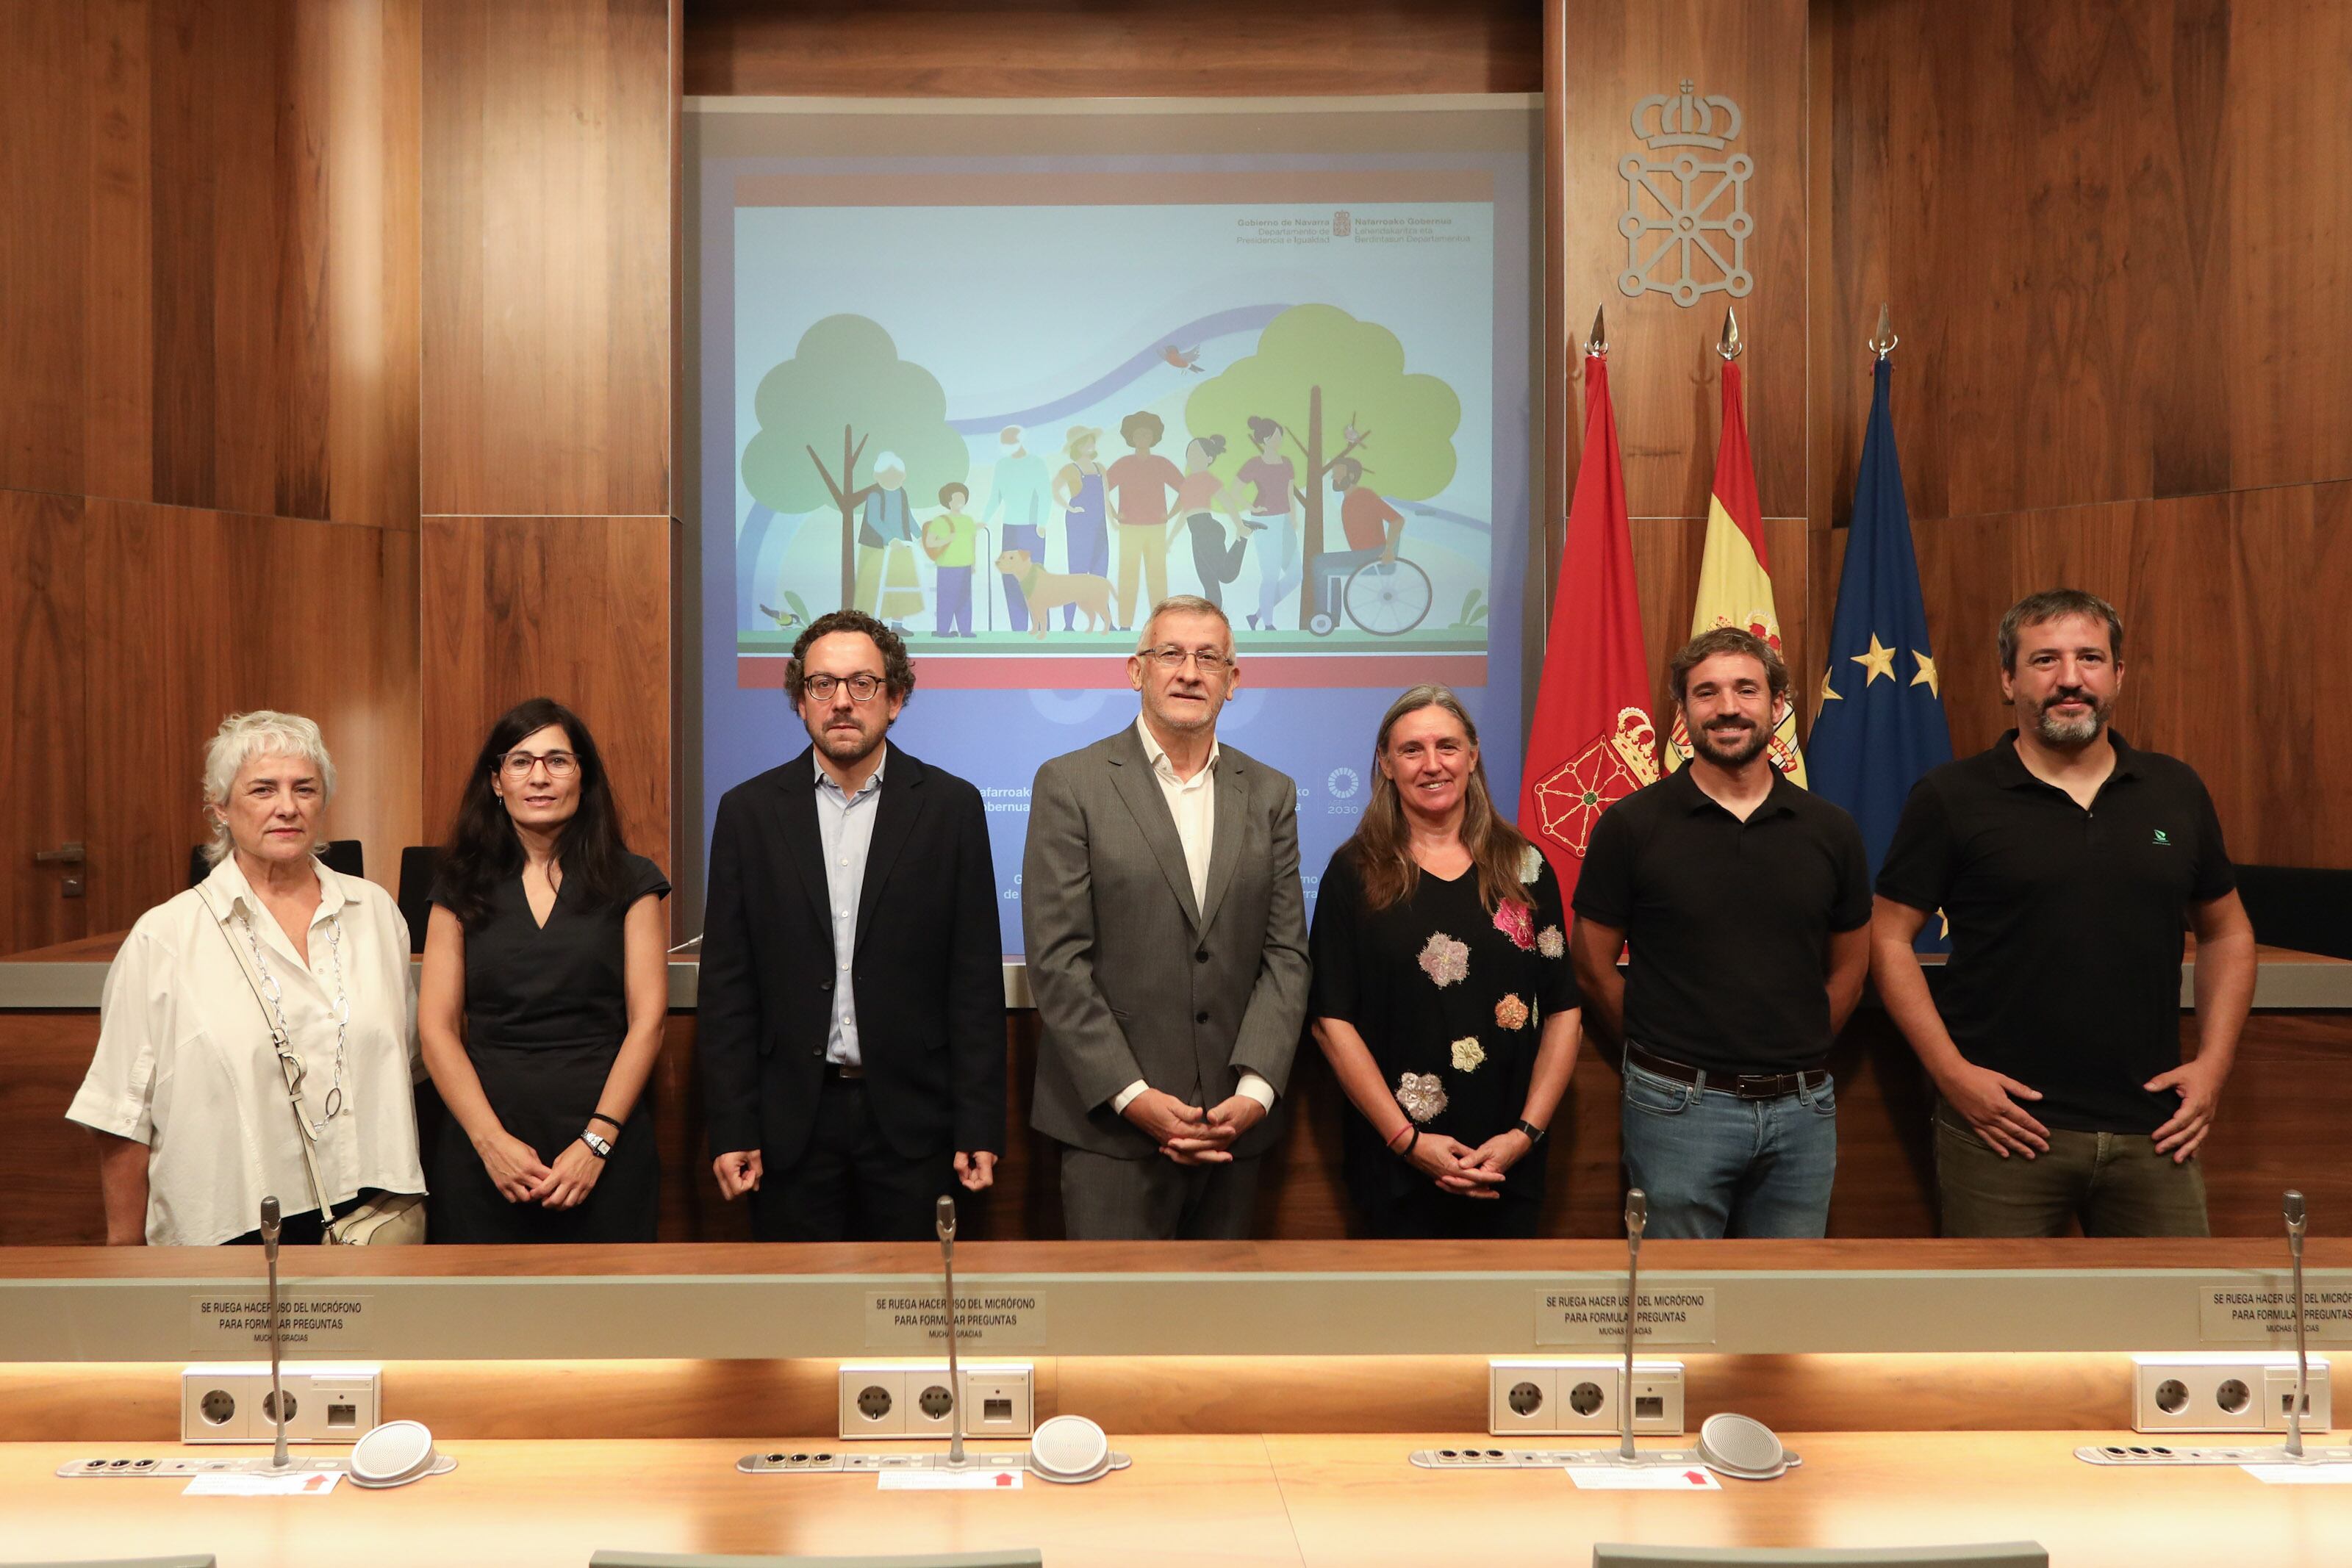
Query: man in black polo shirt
1747	901
2065	860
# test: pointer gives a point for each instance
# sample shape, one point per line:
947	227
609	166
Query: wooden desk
1229	1500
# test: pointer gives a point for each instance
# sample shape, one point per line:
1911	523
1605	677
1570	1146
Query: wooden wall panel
1662	371
1070	48
2103	233
211	268
44	130
2220	595
547	258
41	727
2280	1126
573	608
192	615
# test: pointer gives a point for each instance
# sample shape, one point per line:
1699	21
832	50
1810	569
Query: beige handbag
392	1218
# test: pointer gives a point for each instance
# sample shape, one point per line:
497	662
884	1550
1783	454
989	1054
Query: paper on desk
2300	1475
230	1483
950	1481
1646	1478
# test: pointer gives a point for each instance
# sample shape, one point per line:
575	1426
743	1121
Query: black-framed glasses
1172	657
863	688
559	764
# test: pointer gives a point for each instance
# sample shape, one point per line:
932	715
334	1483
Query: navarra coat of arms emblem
1704	220
1571	798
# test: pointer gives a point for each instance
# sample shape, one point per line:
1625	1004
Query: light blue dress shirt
845	824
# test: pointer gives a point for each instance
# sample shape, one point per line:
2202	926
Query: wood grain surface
2280	1126
547	263
138	1402
577	608
193	614
1069	49
1239	1499
41	738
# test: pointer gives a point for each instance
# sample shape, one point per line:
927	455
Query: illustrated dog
1047	590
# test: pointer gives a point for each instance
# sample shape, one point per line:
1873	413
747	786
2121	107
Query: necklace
269	988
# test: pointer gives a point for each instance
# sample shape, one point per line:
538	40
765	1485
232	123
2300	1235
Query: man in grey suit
1167	951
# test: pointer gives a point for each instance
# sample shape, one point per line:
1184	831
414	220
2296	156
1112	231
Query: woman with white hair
259	1028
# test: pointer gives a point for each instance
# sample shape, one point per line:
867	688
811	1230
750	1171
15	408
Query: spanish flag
1735	580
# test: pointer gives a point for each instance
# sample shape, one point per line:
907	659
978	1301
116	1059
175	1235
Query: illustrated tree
1338	388
846	374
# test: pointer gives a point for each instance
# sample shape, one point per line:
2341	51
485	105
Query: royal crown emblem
1705	234
1571	798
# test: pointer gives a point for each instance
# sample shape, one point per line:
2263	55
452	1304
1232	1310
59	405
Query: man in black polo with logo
2065	861
1747	902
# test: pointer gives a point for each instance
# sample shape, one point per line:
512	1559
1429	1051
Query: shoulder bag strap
288	1064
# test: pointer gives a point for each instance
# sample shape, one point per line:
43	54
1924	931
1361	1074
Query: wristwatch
1535	1133
600	1148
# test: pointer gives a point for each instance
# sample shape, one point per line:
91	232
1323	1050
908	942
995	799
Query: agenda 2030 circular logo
1343	783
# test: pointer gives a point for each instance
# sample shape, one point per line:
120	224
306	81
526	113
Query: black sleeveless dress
546	1010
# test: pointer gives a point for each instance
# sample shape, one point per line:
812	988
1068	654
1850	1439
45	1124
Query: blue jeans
1715	1164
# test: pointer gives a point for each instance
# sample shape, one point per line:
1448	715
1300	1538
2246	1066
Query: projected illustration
1006	377
1011	473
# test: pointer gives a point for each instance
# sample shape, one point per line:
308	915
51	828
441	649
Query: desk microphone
1637	1214
2302	1364
944	1220
270	1225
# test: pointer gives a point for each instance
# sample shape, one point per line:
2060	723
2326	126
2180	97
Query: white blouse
184	1063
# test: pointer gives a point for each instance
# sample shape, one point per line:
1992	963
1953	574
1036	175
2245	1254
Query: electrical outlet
2225	1391
326	1402
912	1399
1562	1396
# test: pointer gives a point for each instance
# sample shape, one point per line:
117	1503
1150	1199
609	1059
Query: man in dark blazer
851	1017
1167	944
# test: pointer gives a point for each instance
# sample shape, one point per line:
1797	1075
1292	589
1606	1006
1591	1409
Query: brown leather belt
1745	1086
844	1071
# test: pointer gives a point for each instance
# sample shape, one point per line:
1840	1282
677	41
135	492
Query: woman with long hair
542	1003
1444	998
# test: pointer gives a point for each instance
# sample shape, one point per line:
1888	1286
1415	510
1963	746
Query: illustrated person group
1047	532
850	1035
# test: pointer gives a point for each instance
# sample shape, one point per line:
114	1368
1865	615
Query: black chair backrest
419	864
2295	906
344	857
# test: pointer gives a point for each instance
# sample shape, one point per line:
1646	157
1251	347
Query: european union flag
1880	720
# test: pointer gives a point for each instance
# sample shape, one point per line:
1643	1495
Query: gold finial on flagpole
1882	342
1599	343
1730	345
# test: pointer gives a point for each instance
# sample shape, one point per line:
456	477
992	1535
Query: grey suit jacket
1130	979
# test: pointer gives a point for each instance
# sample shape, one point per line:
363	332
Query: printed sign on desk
986	1320
2263	1312
229	1323
1667	1314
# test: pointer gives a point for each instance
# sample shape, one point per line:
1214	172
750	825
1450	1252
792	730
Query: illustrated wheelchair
1386	599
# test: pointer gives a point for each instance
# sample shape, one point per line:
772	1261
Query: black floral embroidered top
1451	998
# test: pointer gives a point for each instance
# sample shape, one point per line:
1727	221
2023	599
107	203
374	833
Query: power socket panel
326	1402
1561	1396
2226	1391
912	1399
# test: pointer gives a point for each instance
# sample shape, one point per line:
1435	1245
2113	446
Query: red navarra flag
1735	579
1593	742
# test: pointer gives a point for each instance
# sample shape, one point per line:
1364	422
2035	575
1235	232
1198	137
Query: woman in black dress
1443	993
540	1008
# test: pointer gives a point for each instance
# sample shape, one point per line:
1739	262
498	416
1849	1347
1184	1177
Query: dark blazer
1131	980
928	963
